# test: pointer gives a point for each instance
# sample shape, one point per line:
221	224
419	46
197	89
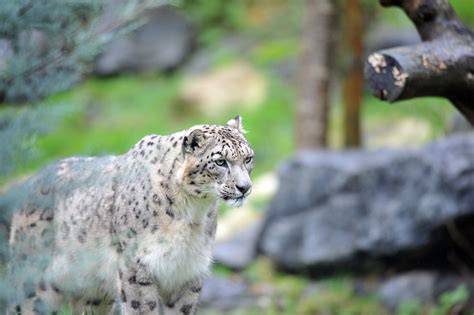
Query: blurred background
359	207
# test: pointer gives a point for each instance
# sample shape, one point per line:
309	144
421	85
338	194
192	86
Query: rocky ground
398	219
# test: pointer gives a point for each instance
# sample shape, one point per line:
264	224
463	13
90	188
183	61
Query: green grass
436	112
465	10
333	295
295	294
112	114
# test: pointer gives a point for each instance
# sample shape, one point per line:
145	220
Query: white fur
237	124
178	257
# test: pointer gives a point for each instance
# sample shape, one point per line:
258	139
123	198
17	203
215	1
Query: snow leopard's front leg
137	293
186	302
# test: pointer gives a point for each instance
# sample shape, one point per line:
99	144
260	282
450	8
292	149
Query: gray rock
414	286
459	124
240	250
357	210
426	287
161	44
225	294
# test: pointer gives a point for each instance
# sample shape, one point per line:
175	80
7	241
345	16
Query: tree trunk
443	65
354	78
314	73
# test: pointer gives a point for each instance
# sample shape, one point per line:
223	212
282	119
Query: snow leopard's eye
249	160
221	162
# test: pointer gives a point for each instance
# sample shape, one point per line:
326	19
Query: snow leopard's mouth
234	201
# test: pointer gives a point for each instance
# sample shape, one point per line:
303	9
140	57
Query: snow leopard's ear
236	123
193	141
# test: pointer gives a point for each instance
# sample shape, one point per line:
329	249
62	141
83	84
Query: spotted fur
134	231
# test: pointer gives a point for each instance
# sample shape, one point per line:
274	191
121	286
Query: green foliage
433	110
221	270
107	116
448	300
215	17
111	115
216	13
465	10
337	297
19	128
446	303
263	19
53	42
275	50
49	41
412	307
295	294
334	295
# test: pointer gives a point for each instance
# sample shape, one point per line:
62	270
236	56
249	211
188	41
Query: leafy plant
19	129
47	47
412	307
449	300
51	43
211	13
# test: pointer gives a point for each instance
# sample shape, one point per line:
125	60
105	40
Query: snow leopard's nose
243	189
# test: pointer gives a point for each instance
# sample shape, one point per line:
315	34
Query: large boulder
239	251
162	43
357	210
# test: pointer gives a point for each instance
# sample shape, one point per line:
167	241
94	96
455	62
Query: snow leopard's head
218	162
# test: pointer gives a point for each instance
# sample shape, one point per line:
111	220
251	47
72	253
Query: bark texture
354	78
443	65
314	73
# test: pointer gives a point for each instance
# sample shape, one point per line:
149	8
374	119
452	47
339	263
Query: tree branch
443	65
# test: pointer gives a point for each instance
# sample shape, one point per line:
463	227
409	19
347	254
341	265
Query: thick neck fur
164	161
